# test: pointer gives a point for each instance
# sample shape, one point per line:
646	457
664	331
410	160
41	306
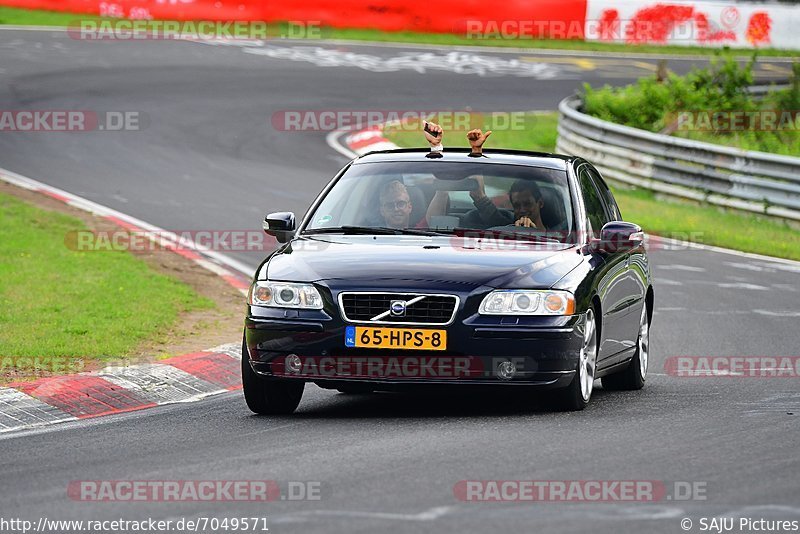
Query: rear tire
575	397
635	374
269	397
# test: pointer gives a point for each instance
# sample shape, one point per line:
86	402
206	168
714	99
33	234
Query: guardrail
725	176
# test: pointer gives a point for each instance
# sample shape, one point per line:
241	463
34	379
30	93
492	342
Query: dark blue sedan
512	269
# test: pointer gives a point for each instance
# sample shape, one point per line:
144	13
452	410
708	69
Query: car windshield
435	197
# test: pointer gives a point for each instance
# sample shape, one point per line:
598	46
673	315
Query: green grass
711	225
26	17
786	143
36	17
657	214
58	305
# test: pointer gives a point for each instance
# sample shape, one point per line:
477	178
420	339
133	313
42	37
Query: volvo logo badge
398	308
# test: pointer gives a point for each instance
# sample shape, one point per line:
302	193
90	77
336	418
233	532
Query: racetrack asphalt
209	158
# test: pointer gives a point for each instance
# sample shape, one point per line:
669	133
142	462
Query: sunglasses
398	205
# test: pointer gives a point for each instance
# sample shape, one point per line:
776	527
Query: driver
395	204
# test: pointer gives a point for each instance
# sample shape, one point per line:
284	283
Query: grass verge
707	224
62	308
657	214
36	17
31	17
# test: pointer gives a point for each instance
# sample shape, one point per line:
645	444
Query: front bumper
544	351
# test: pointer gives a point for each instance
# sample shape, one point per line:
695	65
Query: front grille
430	310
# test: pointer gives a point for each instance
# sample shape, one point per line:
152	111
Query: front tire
269	397
634	376
575	397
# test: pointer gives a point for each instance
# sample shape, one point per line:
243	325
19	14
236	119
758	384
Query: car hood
415	261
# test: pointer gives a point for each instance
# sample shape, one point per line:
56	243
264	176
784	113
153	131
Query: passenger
525	196
526	199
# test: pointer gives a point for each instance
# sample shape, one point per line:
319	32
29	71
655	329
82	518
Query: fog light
506	370
293	363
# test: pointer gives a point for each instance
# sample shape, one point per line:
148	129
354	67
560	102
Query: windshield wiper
370	230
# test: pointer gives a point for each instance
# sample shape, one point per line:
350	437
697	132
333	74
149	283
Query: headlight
527	302
284	295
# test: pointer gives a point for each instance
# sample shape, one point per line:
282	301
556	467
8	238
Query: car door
635	282
611	285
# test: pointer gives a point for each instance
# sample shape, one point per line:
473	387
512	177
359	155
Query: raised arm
438	205
433	135
476	139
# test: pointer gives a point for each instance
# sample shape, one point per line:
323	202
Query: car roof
492	156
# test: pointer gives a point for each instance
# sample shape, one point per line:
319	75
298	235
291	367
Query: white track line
722	250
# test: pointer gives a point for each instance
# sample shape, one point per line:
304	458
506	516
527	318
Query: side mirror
618	236
280	225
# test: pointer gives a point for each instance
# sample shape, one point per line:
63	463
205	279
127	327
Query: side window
605	192
595	209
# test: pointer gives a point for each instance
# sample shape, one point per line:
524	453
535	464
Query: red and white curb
118	389
115	389
368	140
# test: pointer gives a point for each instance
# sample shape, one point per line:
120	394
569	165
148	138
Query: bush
789	98
653	105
